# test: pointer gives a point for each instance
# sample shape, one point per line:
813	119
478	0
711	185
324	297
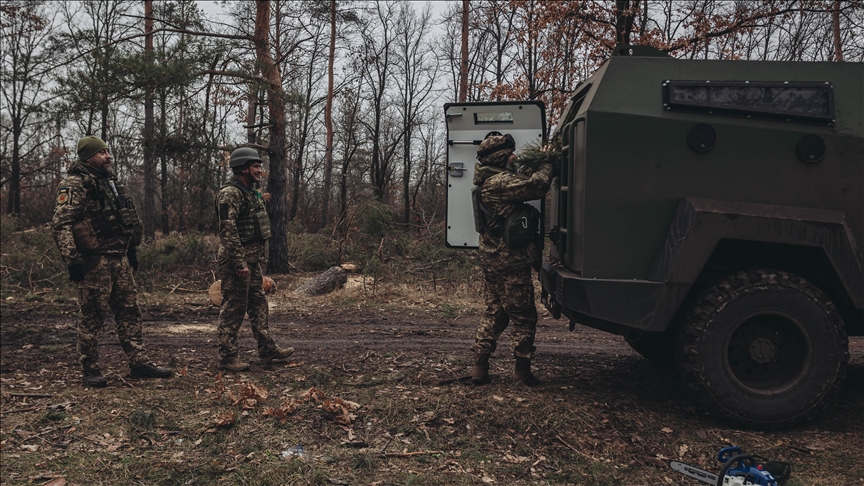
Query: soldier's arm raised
518	188
228	202
71	201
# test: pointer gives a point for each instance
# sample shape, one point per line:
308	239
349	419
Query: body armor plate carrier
116	216
252	222
518	229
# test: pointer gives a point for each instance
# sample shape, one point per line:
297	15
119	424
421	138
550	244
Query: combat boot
480	371
149	370
94	379
523	372
275	353
233	365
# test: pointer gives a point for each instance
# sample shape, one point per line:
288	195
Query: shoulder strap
239	185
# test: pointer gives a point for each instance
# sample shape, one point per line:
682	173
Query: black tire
658	347
763	349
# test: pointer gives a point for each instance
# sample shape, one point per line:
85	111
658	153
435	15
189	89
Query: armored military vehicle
712	213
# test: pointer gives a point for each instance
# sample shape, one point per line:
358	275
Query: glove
76	272
132	255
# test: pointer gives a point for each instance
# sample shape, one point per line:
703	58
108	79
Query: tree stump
332	279
215	290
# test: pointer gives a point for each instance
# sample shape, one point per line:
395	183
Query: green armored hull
692	194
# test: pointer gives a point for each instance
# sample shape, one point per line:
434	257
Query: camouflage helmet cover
243	156
496	149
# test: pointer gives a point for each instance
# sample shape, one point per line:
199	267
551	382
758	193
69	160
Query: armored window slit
797	102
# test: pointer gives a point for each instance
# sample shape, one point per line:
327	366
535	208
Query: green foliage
179	250
534	154
384	251
311	252
379	247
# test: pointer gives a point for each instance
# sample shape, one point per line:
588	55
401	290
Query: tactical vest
518	229
252	222
116	215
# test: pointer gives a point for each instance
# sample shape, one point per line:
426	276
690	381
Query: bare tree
277	181
463	77
28	59
149	165
418	72
378	68
328	122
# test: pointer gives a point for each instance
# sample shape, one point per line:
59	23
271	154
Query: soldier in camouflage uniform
509	290
97	231
244	231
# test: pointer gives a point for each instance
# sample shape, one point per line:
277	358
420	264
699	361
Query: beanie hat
495	150
89	146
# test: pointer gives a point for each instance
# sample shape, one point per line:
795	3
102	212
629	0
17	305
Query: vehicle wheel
763	349
658	347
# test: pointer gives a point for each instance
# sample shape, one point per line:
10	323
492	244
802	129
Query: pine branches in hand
534	154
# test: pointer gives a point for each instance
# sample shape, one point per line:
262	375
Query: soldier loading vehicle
711	212
710	215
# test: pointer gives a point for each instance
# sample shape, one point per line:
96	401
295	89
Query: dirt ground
362	402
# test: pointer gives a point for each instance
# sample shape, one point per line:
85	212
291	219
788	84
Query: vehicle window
500	117
803	102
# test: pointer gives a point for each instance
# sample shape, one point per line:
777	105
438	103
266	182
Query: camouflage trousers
509	298
108	286
239	297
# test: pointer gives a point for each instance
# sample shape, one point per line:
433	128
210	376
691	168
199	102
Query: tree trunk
835	20
623	22
278	179
252	98
328	122
163	185
332	279
406	180
463	75
149	164
13	205
163	162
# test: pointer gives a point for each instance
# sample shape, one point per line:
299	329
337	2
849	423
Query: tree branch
234	74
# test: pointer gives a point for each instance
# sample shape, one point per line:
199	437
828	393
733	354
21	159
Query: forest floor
362	401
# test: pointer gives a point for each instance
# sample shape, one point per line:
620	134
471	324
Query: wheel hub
762	350
765	352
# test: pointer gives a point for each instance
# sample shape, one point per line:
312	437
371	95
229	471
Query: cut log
215	290
332	279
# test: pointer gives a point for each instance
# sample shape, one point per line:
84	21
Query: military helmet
496	149
243	156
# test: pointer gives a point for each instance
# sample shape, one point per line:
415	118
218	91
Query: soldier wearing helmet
506	259
244	231
97	231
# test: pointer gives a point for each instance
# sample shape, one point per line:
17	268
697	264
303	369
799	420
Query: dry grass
604	417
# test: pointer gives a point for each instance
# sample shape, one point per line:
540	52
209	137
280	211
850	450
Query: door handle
456	169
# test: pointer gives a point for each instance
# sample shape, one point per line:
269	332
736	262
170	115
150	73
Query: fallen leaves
249	396
656	462
312	394
282	412
341	410
226	419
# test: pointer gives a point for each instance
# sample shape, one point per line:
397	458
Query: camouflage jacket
502	193
83	198
230	203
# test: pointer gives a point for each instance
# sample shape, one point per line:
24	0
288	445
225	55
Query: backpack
522	226
518	229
